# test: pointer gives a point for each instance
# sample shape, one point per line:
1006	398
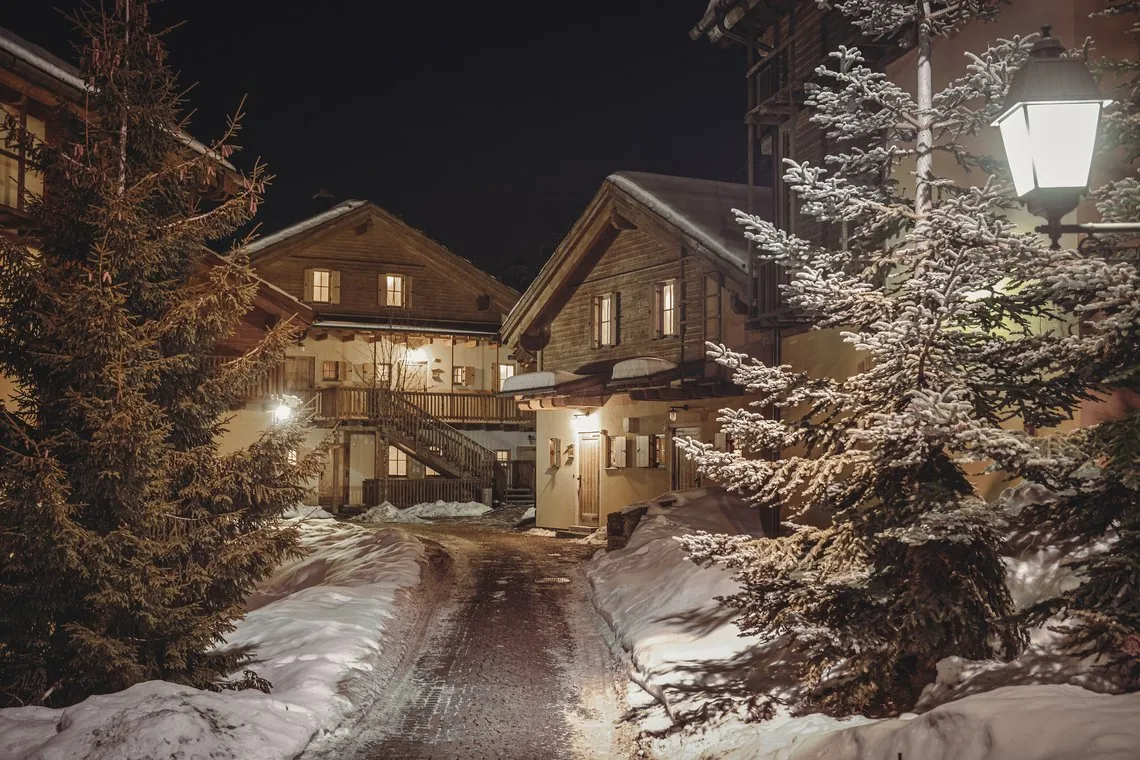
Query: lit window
502	455
320	286
463	376
330	371
605	320
505	371
666	309
397	463
394	290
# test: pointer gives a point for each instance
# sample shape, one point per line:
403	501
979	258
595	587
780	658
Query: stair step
575	531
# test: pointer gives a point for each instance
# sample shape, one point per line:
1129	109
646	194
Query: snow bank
387	513
304	512
683	644
316	623
417	514
1013	723
450	509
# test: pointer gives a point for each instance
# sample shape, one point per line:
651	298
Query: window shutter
308	285
469	376
659	310
334	288
642	451
595	322
407	291
344	371
615	325
381	289
496	383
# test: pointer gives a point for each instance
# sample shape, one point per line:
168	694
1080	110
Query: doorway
589	472
684	473
361	464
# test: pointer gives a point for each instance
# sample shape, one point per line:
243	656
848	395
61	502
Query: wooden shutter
595	322
381	289
659	310
469	376
642	459
344	371
307	286
407	291
334	287
615	322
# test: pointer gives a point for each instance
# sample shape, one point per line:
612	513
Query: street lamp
1049	131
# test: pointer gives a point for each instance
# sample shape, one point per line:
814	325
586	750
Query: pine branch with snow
972	331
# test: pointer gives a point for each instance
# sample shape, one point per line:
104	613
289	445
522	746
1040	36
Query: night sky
487	125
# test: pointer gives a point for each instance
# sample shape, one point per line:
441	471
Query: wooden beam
347	337
320	336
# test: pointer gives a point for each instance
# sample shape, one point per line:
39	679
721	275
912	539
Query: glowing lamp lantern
1049	129
282	413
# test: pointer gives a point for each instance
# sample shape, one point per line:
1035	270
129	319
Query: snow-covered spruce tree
127	542
931	292
1102	615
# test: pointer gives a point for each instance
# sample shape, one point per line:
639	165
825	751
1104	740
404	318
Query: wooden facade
363	244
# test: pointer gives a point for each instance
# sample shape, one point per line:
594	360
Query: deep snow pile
418	513
316	623
686	649
307	512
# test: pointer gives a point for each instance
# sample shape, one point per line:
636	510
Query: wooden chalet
33	82
404	358
613	331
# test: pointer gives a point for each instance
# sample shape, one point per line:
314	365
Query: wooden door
361	464
684	469
589	473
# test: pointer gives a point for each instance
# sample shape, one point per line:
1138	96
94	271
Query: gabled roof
722	15
700	208
697	211
347	213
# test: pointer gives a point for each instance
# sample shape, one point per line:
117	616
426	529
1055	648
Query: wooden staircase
432	441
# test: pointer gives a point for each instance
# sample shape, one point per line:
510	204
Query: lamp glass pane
1015	135
1062	136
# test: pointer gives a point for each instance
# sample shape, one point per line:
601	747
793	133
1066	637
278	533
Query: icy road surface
511	662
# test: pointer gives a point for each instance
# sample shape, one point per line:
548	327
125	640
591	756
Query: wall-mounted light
282	413
673	411
416	356
583	422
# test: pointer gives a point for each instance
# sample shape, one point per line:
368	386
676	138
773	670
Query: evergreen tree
1101	617
942	295
127	542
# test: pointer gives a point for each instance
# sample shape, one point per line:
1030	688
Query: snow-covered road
511	663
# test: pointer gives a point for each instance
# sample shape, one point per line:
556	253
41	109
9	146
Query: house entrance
589	471
361	464
684	473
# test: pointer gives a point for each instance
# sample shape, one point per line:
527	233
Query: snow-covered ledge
530	382
640	367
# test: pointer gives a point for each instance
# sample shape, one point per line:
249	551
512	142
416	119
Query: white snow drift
316	623
685	648
418	513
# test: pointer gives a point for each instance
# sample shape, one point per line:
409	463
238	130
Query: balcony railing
407	492
335	404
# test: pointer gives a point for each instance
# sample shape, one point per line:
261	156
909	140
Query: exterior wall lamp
1049	130
674	410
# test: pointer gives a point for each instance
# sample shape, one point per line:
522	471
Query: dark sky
489	125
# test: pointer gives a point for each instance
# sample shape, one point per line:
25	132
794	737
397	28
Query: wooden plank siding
365	244
632	265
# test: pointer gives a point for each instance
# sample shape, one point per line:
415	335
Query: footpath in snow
688	656
316	623
386	513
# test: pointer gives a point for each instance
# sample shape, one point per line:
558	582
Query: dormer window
394	290
322	286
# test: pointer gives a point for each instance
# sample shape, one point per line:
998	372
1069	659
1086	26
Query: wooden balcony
456	409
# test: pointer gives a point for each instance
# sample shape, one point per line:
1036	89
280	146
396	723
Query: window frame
604	320
315	288
391	293
666	321
400	459
325	375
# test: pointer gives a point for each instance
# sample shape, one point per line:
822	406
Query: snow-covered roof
733	11
338	210
700	208
538	381
59	70
642	366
